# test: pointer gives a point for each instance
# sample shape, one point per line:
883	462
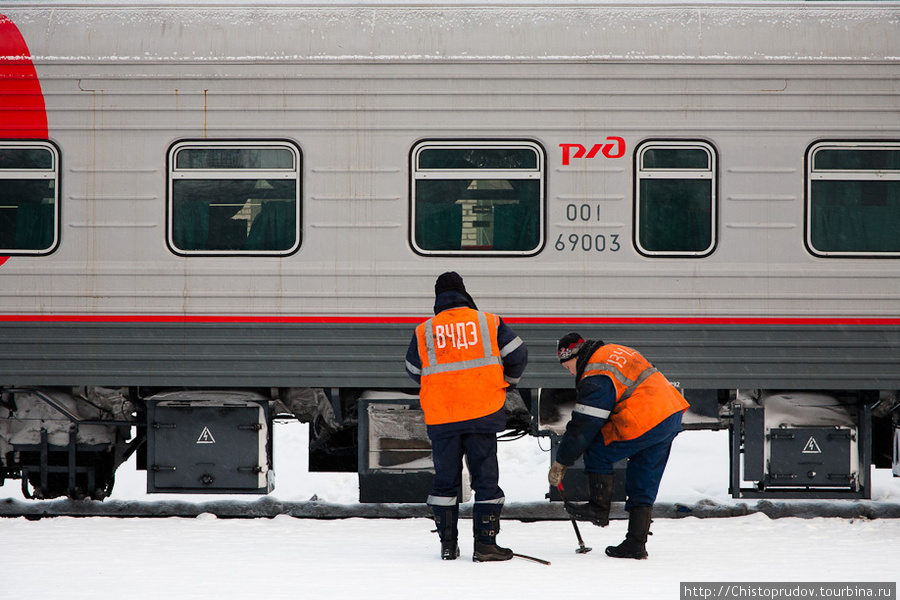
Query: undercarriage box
811	456
208	442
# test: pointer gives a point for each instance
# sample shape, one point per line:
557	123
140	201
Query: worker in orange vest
625	408
465	360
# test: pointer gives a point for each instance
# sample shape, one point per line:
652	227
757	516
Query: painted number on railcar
612	147
586	242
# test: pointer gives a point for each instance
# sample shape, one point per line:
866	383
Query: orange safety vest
644	397
462	373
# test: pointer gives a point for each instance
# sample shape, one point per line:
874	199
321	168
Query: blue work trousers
647	457
480	452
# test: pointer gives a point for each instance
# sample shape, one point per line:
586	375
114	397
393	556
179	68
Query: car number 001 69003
587	242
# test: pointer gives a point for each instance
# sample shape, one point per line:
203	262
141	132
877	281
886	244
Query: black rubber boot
486	525
446	518
635	544
596	509
449	550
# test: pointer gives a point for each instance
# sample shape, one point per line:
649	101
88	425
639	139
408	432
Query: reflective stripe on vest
591	411
510	347
487	360
621	378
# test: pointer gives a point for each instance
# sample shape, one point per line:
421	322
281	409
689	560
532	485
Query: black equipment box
209	442
796	459
811	455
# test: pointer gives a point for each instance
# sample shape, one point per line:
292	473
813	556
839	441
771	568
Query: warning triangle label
812	447
207	438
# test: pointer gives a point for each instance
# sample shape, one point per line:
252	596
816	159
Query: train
216	216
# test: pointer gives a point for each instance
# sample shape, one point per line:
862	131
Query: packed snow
285	557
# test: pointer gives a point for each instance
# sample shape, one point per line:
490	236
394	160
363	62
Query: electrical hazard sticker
207	438
811	447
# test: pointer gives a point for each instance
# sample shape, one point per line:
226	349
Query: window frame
812	175
174	173
709	173
538	173
52	173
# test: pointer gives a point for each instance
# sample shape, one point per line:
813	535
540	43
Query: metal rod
582	549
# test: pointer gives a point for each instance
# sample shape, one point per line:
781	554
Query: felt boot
446	519
596	509
486	526
635	542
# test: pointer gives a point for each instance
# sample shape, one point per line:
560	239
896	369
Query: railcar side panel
249	354
235	196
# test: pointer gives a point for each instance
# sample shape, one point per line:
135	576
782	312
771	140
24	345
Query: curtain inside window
676	215
517	226
855	216
438	215
27	215
274	228
206	213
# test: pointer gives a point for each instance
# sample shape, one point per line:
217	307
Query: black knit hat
449	281
568	346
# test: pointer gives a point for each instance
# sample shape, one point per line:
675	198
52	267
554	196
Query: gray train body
676	176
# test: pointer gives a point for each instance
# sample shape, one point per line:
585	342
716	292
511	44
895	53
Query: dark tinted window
853	199
234	199
476	198
675	208
29	211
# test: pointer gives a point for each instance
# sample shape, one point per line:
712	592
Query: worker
464	360
624	408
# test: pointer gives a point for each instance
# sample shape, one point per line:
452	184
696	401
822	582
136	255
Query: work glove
557	471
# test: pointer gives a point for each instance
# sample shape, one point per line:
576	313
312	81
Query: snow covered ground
284	557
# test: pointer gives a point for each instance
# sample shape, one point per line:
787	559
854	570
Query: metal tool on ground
532	558
582	549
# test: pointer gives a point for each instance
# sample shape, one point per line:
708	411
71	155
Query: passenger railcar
211	215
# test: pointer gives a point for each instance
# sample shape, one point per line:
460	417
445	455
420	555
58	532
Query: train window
675	198
477	197
853	199
234	198
29	197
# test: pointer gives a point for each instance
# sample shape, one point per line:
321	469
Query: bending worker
464	359
625	408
